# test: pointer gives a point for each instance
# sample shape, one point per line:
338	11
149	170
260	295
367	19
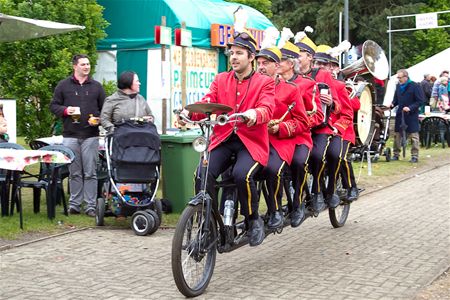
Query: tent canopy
17	28
433	65
133	21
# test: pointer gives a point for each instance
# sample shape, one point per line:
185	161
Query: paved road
395	242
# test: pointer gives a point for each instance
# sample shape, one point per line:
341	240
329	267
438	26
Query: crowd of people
299	117
312	135
81	103
436	91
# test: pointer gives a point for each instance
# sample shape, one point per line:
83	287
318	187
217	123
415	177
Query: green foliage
264	6
30	70
426	43
368	20
109	86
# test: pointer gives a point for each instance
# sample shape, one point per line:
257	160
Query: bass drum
364	119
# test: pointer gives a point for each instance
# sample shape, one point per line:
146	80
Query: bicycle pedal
240	237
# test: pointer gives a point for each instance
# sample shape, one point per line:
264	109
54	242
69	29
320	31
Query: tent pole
164	100
183	71
390	44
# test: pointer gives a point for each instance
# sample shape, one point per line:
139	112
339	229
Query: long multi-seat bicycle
202	229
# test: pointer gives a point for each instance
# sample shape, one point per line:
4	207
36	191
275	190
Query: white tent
17	28
433	65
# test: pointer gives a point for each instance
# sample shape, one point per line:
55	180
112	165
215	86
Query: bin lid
182	137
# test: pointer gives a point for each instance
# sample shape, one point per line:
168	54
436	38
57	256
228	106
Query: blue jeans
83	172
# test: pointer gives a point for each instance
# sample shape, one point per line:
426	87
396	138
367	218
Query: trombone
278	121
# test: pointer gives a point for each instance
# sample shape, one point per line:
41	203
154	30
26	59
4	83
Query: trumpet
278	121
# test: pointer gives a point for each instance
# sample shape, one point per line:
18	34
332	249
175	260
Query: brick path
396	241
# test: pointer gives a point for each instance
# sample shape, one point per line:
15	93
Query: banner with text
201	67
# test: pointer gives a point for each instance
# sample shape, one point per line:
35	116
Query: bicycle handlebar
220	120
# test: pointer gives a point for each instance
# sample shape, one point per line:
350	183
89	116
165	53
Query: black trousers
299	173
273	173
346	171
334	157
243	173
327	149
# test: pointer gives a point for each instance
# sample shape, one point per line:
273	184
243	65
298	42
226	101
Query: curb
10	246
406	178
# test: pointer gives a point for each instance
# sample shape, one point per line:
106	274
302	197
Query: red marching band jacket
341	116
349	134
294	129
310	95
254	92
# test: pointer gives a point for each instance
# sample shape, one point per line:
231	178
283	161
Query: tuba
373	61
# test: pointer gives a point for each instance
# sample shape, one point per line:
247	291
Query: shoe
414	160
297	216
333	200
318	203
90	213
353	194
275	220
256	233
395	157
73	211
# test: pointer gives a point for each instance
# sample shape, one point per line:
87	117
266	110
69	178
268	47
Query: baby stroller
133	157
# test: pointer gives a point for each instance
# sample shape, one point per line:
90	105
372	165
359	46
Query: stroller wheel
100	212
144	222
157	207
157	221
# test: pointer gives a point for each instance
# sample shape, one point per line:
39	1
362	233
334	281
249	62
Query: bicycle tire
193	260
339	215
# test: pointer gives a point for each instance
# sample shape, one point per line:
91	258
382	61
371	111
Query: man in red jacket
289	67
348	138
328	101
285	132
250	93
328	138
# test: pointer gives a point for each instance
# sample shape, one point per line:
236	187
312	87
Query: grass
38	223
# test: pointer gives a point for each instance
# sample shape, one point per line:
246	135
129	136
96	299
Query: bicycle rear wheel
194	251
339	215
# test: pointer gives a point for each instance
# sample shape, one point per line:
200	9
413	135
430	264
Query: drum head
365	116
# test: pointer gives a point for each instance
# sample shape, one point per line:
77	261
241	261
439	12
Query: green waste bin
179	161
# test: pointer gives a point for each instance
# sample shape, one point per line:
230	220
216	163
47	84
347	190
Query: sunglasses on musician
242	35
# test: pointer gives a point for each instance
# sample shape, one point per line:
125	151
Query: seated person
443	103
250	93
3	130
126	103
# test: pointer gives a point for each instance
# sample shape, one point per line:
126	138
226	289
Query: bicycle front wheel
194	252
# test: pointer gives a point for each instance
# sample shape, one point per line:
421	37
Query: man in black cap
286	132
250	93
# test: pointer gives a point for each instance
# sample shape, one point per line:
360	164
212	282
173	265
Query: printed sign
222	34
425	21
201	68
